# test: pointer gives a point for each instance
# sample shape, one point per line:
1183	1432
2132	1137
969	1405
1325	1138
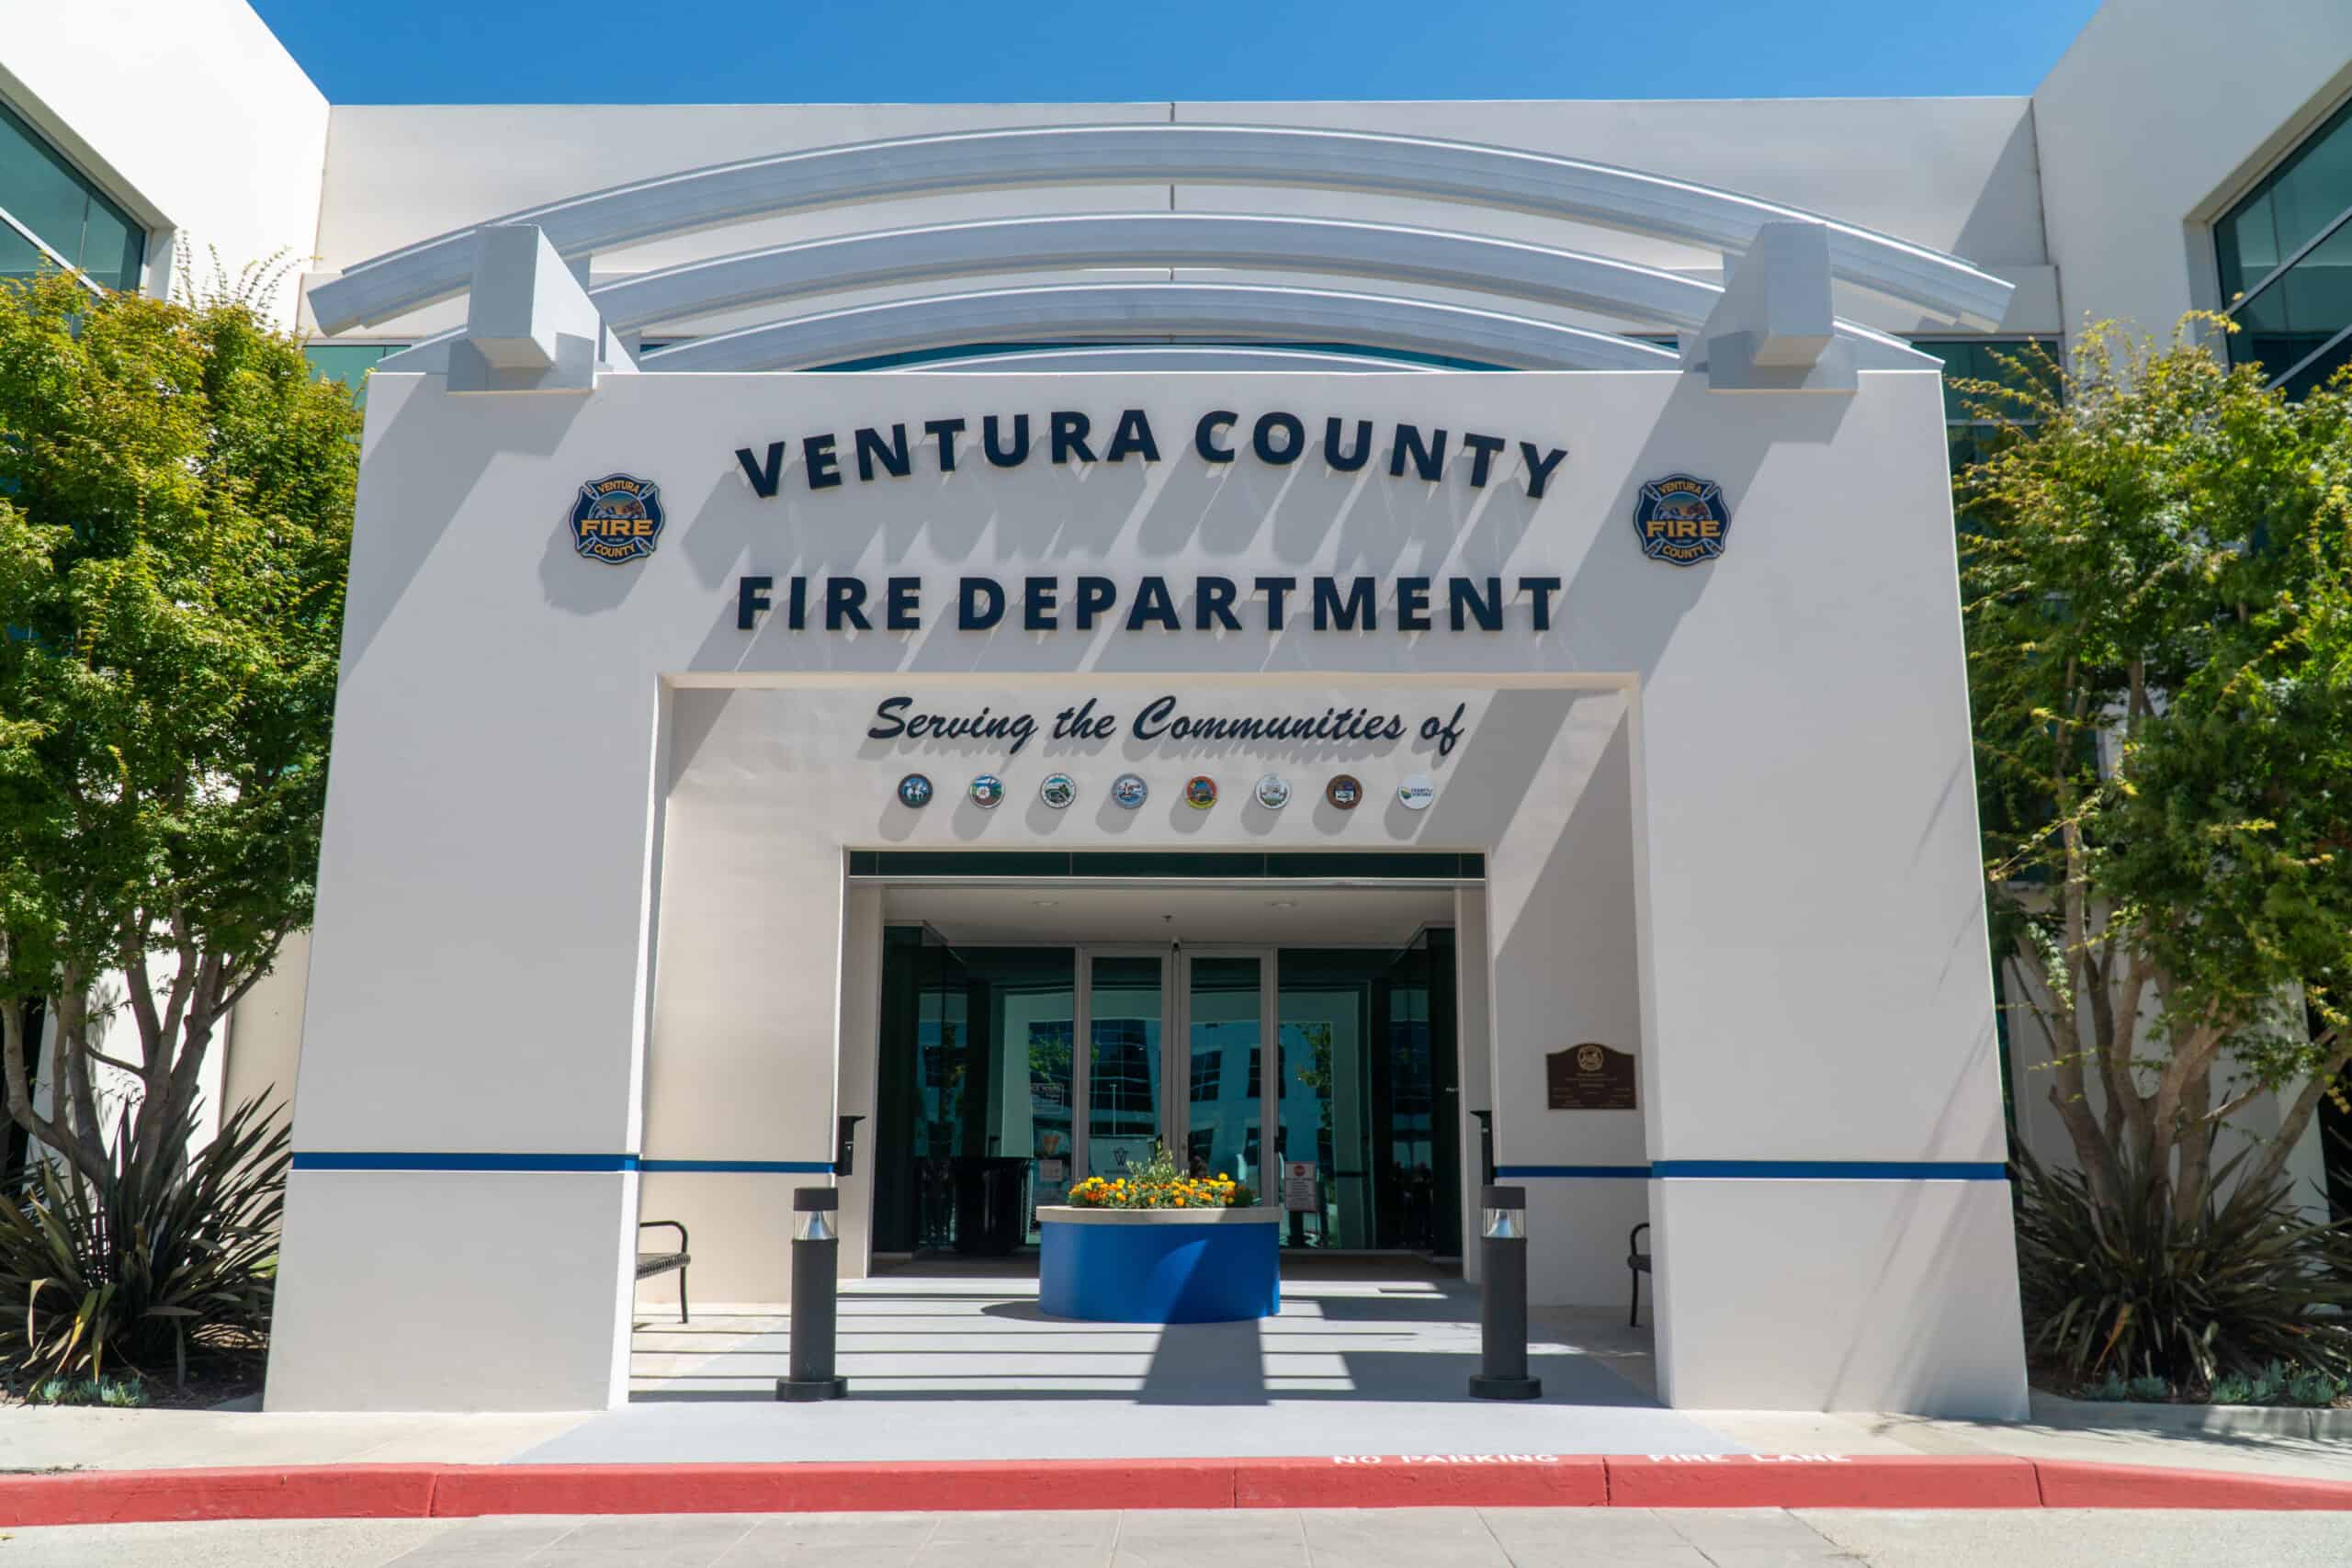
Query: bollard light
1502	1298
816	1268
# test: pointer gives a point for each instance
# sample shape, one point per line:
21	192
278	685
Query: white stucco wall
2158	117
191	114
1791	721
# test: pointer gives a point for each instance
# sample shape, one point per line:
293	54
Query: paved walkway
1413	1538
967	1369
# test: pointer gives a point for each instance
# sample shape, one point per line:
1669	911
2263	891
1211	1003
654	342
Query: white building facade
1290	630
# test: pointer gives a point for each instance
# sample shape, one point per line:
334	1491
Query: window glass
348	363
40	190
2300	312
2011	361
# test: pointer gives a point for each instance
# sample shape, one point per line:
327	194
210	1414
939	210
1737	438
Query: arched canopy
1428	258
1411	167
1217	357
1126	310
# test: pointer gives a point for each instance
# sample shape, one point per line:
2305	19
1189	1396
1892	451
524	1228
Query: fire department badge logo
1681	520
617	519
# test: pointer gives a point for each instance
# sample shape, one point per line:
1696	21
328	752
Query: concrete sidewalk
1405	1537
968	1368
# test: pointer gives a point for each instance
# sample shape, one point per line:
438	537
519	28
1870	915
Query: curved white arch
1431	258
1415	167
1213	357
1060	311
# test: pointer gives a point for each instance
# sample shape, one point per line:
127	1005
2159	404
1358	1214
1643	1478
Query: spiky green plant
2184	1291
144	1267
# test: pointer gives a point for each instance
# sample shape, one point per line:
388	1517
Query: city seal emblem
1057	790
1129	790
1682	521
617	519
1346	792
1200	792
987	791
1416	793
914	790
1273	791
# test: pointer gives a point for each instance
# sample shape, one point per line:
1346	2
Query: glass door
1223	1110
1123	998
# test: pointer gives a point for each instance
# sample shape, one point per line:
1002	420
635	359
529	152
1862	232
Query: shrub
2313	1388
139	1272
120	1393
2177	1290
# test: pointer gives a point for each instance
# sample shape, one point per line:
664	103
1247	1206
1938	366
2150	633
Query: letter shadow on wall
1622	607
440	466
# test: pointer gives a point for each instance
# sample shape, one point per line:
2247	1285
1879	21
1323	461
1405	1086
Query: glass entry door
1174	1054
1122	1093
1226	1024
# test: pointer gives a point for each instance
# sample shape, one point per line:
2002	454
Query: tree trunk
2298	1114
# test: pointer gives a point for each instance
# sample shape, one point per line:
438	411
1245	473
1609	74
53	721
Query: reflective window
348	363
2287	248
2009	361
45	194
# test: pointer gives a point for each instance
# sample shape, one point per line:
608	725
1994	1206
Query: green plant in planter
1159	1183
2180	1291
144	1269
117	1394
2313	1389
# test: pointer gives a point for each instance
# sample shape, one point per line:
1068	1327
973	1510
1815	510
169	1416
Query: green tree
176	495
2158	586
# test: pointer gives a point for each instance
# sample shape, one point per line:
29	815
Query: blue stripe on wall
323	1159
766	1167
1828	1170
1770	1170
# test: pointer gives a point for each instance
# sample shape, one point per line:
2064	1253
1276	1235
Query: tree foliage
2158	596
176	495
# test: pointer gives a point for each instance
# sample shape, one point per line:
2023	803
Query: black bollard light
1502	1299
816	1267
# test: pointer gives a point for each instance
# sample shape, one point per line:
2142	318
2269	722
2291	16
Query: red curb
941	1487
2080	1484
1360	1481
127	1497
1422	1481
1821	1481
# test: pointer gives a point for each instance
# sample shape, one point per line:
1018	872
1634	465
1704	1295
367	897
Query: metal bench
1638	1263
651	1263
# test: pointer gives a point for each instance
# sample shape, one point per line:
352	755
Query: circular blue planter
1158	1265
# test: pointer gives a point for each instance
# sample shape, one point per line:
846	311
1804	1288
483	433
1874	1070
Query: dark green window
348	363
2285	255
45	194
2011	361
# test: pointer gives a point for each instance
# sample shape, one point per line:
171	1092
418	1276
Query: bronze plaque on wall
1590	1076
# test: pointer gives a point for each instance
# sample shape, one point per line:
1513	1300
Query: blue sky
937	50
